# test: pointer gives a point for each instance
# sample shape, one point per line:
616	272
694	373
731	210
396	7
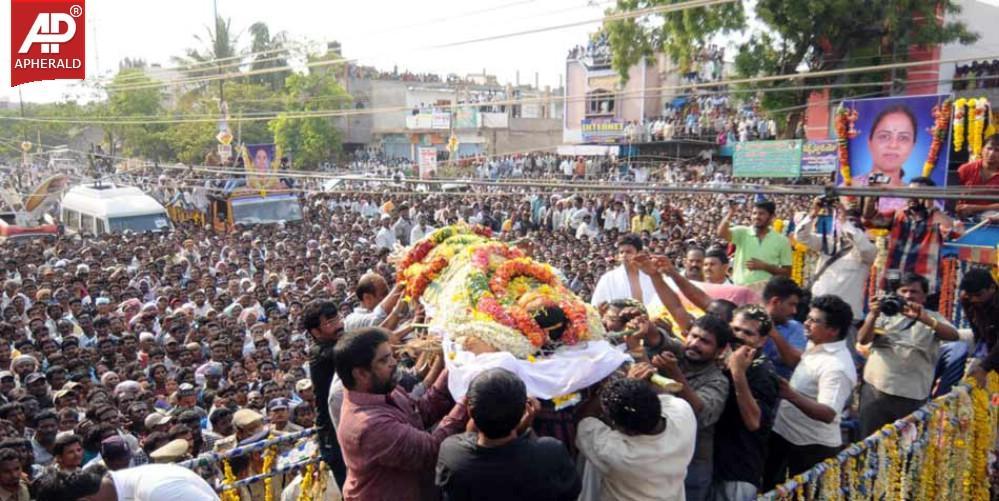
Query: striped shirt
914	245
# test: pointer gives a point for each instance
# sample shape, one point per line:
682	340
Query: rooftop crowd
122	351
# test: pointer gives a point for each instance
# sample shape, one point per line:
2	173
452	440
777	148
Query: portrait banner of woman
258	160
892	142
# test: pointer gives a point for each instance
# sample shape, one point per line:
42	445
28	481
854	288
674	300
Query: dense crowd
132	349
977	75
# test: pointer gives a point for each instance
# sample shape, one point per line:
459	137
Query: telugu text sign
767	159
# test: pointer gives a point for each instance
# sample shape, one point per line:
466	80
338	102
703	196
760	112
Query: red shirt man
984	172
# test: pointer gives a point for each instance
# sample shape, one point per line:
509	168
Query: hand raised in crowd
530	412
641	371
664	265
874	307
740	359
756	264
669	365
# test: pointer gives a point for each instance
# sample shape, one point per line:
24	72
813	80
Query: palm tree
217	56
268	52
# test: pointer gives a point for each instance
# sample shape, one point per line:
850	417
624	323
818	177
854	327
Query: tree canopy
785	38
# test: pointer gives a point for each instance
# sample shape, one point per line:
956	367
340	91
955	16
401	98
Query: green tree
795	36
268	52
310	141
131	102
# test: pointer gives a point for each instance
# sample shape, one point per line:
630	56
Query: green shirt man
760	252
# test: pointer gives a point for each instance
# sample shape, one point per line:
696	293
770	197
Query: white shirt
642	467
826	374
160	482
585	229
847	276
419	231
385	238
616	220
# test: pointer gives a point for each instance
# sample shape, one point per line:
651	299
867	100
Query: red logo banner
47	40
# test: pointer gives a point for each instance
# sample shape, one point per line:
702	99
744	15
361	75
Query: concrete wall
356	128
388	94
640	98
525	135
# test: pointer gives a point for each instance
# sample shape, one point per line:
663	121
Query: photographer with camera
845	252
905	341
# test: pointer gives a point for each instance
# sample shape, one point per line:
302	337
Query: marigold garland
520	267
798	254
416	286
305	488
268	465
960	112
941	117
977	109
845	120
228	479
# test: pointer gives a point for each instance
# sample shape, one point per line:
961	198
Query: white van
107	208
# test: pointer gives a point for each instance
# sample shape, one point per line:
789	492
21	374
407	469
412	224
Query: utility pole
215	21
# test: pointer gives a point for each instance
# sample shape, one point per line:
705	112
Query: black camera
878	178
891	304
828	201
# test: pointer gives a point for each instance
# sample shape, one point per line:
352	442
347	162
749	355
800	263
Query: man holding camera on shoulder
905	341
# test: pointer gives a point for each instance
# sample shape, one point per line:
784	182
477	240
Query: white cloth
847	276
569	369
335	400
614	285
826	374
642	467
160	482
385	238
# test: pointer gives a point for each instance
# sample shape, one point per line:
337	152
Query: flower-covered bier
500	298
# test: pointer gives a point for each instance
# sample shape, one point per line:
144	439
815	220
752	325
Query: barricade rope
941	451
280	470
212	458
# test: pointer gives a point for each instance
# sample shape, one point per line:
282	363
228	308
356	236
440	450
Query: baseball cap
303	385
115	447
34	376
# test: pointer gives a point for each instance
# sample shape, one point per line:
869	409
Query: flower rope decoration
977	109
268	465
419	251
960	112
305	488
228	479
845	120
941	118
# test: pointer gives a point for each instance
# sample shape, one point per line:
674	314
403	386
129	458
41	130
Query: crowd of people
124	350
362	72
977	75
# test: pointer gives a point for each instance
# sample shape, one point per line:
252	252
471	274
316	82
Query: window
86	223
71	218
600	102
101	227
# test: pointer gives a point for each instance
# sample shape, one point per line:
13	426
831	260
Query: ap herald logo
47	40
